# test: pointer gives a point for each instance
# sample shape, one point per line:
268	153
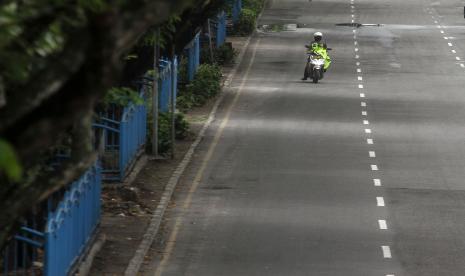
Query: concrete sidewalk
128	209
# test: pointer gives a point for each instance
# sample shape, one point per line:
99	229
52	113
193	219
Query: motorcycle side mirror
329	49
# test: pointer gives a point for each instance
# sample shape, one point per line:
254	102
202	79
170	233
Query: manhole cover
358	25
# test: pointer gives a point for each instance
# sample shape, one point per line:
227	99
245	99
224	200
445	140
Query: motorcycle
315	65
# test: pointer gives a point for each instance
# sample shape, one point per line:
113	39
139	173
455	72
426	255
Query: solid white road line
386	252
380	201
367	130
377	182
370	141
372	154
363	104
382	224
374	167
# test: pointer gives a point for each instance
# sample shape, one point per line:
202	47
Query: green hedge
255	5
246	23
222	55
206	84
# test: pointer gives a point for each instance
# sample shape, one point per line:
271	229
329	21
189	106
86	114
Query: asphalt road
361	174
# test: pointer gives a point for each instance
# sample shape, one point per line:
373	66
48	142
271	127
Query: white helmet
318	34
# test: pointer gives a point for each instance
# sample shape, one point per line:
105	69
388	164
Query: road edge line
155	222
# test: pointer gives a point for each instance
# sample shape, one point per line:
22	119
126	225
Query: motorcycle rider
318	47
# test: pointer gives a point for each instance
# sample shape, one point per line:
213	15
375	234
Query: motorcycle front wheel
316	76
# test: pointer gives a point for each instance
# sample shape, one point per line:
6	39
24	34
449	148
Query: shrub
164	132
246	23
225	54
206	84
181	127
122	96
255	5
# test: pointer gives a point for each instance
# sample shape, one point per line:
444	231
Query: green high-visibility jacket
320	49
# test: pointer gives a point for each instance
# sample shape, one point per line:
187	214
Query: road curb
155	222
86	264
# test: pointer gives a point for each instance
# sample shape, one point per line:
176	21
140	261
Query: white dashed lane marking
380	201
454	51
450	44
382	224
457	58
372	154
386	251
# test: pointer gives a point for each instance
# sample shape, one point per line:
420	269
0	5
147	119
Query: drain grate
358	25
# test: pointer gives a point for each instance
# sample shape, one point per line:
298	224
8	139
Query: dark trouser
307	69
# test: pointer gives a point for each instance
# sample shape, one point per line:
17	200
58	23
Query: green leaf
9	163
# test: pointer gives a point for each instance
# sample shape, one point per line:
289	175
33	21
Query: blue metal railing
236	10
221	29
193	57
54	239
125	134
168	82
